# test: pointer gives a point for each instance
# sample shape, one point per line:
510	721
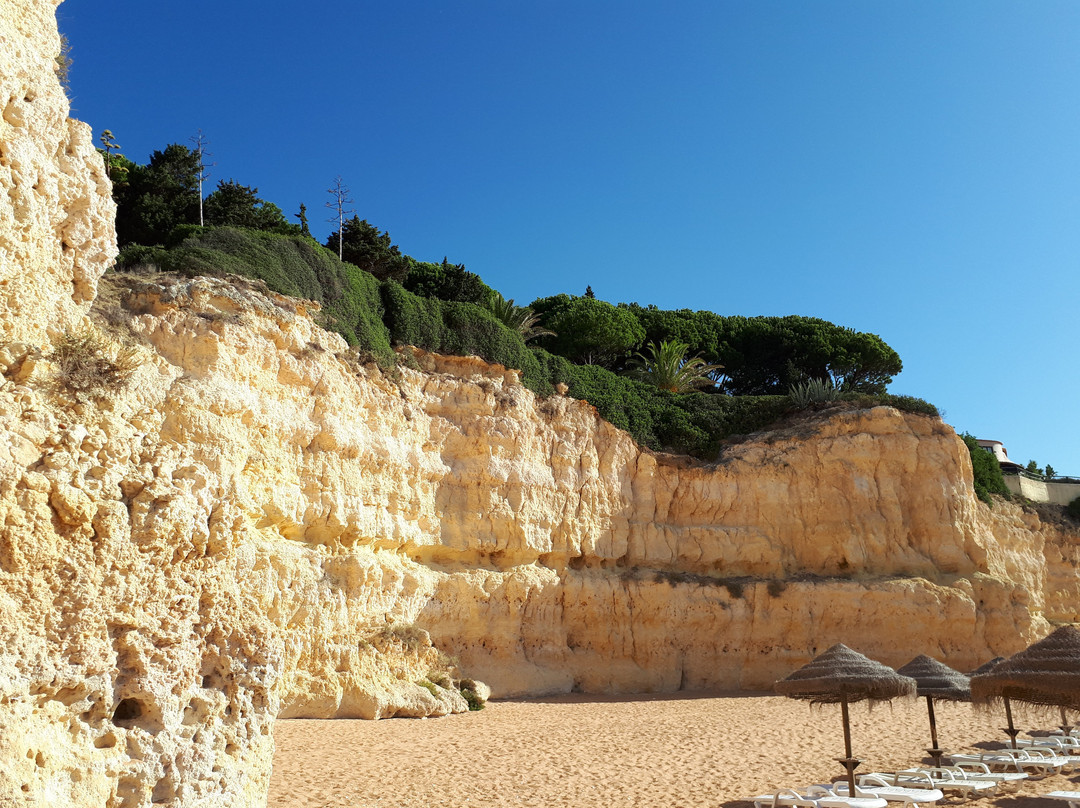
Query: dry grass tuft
87	364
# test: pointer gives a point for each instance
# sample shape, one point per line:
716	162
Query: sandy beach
672	751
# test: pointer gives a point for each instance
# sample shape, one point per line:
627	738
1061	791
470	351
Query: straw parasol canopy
936	680
841	675
987	666
1046	673
845	676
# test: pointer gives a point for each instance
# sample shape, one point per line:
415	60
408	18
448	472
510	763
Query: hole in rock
39	759
106	741
127	711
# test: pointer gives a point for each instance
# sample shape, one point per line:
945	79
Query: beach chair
1072	797
980	771
790	798
939	778
870	785
1038	760
1063	744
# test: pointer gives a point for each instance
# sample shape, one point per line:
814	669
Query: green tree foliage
236	205
668	367
364	246
1049	471
987	472
688	423
767	355
447	281
519	318
589	331
1033	468
157	197
302	216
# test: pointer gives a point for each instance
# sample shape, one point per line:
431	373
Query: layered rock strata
258	526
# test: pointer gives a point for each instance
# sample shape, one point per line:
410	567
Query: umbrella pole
934	751
1012	731
848	762
1066	727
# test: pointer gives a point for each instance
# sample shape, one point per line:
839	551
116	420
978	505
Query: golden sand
688	751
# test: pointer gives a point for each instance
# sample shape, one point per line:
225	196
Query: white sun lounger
870	785
1017	760
1072	797
1065	745
788	797
980	771
941	779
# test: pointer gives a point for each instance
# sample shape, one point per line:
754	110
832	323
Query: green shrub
987	472
290	265
467	687
1073	508
447	281
462	329
813	391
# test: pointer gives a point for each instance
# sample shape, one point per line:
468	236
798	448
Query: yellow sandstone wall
256	525
56	212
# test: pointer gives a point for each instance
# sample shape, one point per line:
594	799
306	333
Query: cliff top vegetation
735	374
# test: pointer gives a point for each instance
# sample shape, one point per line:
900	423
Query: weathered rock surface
56	210
256	525
259	526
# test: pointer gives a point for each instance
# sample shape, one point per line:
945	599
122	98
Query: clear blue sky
910	169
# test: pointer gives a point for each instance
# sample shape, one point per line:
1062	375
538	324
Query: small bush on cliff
987	472
89	365
289	265
453	327
811	392
1073	508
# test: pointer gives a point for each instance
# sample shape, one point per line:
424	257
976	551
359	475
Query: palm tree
668	367
518	318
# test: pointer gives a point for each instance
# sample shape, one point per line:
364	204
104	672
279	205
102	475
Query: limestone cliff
259	526
253	524
56	211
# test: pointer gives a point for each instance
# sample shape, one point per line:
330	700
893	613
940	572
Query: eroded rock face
259	526
57	234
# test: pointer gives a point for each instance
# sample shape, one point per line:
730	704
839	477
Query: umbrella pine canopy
1047	673
937	680
842	675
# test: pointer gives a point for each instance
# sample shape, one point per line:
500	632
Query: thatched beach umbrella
986	667
1046	673
936	680
845	676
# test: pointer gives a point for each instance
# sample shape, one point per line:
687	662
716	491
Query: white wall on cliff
258	526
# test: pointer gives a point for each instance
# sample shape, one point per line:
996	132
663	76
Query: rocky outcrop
257	525
56	210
